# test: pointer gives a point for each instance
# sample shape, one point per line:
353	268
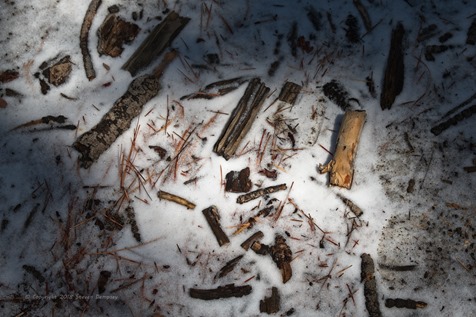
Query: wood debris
252	220
131	219
226	291
113	33
394	70
238	182
370	285
217	89
352	206
252	239
103	280
453	120
84	38
58	122
471	36
336	93
341	167
282	256
289	92
213	219
352	32
229	266
176	199
404	303
54	72
34	272
8	75
241	119
156	42
272	304
259	193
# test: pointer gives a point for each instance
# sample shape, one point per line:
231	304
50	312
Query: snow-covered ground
67	243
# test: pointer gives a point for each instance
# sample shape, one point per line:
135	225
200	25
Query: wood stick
260	192
464	114
394	71
341	167
404	303
83	38
370	285
226	291
353	207
229	266
252	239
241	119
289	92
155	43
282	256
213	219
176	199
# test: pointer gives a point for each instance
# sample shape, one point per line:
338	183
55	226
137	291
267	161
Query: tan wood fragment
176	199
341	167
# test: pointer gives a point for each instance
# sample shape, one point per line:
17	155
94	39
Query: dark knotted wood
226	291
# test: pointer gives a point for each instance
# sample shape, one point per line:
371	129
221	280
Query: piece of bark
370	285
252	239
155	43
394	70
289	92
229	266
252	220
282	256
336	93
83	38
471	36
113	33
453	120
341	167
238	182
58	73
176	199
117	120
353	207
272	304
8	75
131	217
213	219
404	303
430	50
260	192
226	291
260	248
241	119
102	281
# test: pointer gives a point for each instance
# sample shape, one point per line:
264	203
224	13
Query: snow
56	216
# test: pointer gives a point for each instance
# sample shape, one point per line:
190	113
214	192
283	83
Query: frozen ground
61	225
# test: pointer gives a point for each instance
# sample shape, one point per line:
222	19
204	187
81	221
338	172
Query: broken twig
213	219
260	192
83	38
176	199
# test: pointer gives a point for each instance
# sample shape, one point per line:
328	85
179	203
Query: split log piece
455	119
92	144
260	192
404	303
213	219
252	239
282	256
394	70
155	43
364	15
226	291
83	38
252	220
176	199
289	93
272	304
353	207
241	119
370	285
229	266
341	167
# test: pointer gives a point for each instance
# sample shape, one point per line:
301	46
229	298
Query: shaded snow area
98	241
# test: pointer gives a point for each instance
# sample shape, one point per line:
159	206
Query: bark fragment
370	285
394	70
341	167
238	182
113	33
252	239
213	219
226	291
404	303
176	199
271	305
241	119
471	36
229	266
83	38
282	256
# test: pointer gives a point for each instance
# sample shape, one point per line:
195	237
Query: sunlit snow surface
57	233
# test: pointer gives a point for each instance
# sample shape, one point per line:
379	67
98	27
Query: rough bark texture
229	266
370	285
394	71
117	120
260	192
341	167
160	37
252	239
83	38
113	33
282	256
241	119
238	182
271	305
226	291
290	92
213	219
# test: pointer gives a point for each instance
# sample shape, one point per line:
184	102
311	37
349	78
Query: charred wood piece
113	33
156	42
252	220
229	266
336	93
117	120
213	219
369	81
102	281
289	92
8	75
252	239
260	248
370	285
272	304
176	199
83	38
260	192
453	120
241	119
404	303
341	167
226	291
238	182
394	70
34	272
